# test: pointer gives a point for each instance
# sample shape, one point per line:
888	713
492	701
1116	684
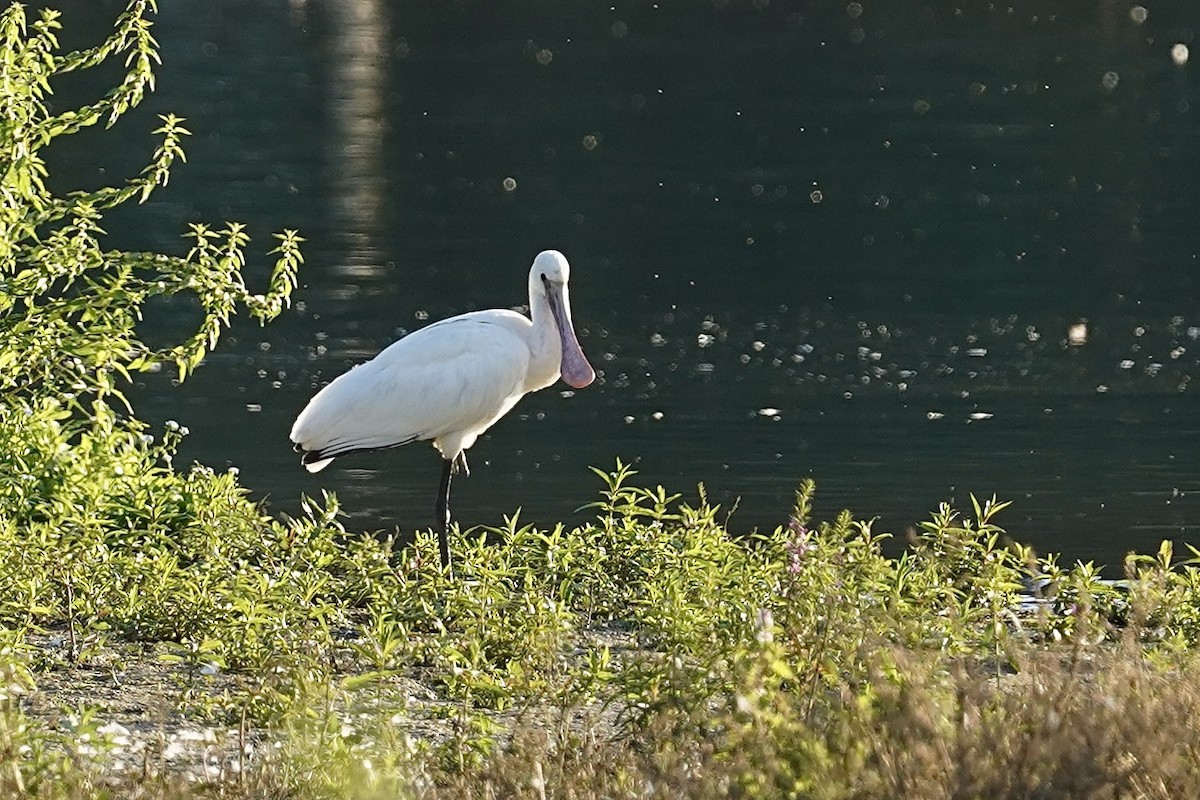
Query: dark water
912	250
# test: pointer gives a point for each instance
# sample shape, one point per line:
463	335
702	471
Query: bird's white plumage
450	381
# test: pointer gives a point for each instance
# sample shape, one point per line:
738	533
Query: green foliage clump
804	663
69	308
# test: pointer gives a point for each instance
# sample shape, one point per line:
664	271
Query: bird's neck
545	345
539	309
544	330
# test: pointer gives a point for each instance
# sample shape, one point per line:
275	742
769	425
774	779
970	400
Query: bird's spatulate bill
575	369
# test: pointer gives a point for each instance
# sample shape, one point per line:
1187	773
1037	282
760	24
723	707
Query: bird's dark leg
442	514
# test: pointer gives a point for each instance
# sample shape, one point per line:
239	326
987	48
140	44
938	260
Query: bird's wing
456	375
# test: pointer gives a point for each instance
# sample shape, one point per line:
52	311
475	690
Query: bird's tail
316	466
317	459
313	460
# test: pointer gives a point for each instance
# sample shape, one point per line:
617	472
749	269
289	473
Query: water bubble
854	10
816	196
590	141
619	29
1110	80
1139	14
509	184
544	56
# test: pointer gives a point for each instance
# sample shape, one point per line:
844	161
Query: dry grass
1100	723
1092	722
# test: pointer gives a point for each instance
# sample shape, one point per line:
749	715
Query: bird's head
548	277
550	266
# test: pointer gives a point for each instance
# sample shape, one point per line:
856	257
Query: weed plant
802	662
647	653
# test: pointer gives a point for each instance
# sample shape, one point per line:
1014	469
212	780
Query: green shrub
69	308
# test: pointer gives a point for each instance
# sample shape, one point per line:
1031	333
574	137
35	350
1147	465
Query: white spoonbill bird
449	382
